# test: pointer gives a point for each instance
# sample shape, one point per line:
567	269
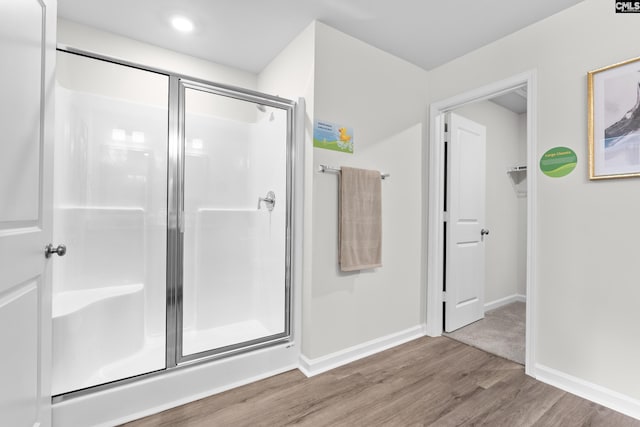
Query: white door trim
435	196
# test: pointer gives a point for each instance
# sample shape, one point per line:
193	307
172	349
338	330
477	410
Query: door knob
49	250
484	232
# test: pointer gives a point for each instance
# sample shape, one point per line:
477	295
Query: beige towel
360	223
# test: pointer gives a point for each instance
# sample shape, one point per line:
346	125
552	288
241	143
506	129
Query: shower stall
174	197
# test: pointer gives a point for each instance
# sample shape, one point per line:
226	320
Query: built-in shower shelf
68	302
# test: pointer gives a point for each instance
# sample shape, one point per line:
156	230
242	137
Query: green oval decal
558	162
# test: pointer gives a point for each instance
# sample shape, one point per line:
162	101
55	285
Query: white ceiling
247	34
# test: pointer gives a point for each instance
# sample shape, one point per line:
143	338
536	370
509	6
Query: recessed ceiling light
182	24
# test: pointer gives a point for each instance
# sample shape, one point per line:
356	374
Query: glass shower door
174	200
235	206
110	208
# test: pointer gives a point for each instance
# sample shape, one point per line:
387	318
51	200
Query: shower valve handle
269	200
49	250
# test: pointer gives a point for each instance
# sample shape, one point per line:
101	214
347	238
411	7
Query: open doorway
510	203
485	227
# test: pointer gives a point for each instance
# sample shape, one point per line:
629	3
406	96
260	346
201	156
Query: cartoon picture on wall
614	121
331	136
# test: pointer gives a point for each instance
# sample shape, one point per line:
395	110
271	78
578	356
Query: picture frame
614	121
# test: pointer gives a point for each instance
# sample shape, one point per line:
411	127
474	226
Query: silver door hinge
444	296
445	216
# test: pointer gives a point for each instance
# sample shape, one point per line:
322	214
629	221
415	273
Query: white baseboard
593	392
504	301
311	367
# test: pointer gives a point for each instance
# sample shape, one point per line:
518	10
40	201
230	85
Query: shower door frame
175	192
178	85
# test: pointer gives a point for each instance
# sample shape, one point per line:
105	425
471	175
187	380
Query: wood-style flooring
426	382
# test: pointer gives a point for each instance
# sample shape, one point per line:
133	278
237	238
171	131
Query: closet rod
333	169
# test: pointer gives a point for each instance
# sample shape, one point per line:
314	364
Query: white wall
291	75
587	273
384	100
502	203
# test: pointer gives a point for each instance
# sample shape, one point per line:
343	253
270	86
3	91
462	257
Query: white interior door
465	251
27	52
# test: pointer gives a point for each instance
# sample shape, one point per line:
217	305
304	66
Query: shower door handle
49	250
269	200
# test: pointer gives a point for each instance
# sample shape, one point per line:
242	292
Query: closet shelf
518	174
522	168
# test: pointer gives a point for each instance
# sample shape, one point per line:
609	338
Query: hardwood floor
428	381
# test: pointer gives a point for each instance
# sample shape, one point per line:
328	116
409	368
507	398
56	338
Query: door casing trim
435	197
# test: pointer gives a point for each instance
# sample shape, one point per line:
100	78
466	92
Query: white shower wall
114	405
111	160
233	252
269	157
110	211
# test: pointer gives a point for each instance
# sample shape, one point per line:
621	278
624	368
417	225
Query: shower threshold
198	340
152	354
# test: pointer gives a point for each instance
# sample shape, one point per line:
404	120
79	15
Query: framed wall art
614	121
